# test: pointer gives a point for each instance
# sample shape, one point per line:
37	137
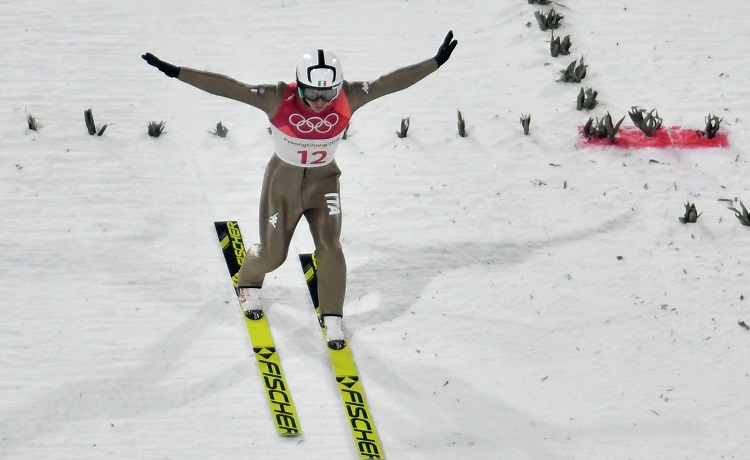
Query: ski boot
250	302
334	332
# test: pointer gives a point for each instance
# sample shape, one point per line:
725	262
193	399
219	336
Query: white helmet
320	69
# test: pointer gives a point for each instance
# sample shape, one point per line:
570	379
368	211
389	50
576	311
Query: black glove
169	69
445	50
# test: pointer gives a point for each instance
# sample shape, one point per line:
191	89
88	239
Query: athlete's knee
254	251
266	260
272	258
331	248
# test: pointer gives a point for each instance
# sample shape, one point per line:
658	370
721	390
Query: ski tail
310	269
259	332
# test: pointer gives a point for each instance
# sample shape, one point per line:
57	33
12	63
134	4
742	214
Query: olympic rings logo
317	124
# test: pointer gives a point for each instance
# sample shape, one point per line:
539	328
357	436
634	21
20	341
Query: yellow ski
347	379
259	331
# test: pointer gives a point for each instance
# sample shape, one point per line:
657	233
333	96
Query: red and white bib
305	138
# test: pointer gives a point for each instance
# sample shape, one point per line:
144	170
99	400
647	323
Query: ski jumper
302	178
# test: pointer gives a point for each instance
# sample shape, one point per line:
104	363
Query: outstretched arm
360	93
264	97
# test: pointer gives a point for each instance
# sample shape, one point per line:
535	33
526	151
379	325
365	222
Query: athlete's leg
323	214
279	213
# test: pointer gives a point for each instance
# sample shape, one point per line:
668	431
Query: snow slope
509	296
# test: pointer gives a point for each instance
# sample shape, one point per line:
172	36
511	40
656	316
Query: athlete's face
317	98
317	106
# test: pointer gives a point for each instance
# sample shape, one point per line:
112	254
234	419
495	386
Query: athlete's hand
445	50
169	69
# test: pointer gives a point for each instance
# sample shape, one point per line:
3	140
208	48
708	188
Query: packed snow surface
509	296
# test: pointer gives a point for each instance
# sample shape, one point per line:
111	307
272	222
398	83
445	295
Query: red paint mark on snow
630	137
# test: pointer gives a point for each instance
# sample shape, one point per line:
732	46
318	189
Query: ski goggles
312	94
